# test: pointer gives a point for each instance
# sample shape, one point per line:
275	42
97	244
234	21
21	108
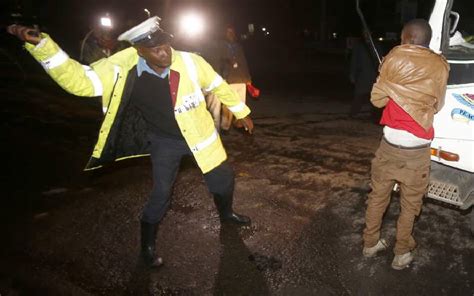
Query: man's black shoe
150	259
237	219
148	252
226	214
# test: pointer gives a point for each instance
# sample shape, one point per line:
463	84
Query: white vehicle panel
454	126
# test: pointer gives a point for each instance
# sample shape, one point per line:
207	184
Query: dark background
290	22
67	230
309	39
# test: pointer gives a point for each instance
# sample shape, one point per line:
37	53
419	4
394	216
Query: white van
452	169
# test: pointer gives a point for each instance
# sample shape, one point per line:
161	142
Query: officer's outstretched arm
210	81
73	77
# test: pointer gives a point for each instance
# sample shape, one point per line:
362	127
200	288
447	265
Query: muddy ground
303	178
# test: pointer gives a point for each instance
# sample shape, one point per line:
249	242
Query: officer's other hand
26	34
247	123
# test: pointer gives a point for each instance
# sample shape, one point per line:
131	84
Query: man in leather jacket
411	89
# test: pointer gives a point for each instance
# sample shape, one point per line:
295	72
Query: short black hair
419	31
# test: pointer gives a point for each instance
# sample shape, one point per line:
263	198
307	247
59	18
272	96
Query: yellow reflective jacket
123	131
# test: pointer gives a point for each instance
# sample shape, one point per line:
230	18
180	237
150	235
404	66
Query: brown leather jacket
415	78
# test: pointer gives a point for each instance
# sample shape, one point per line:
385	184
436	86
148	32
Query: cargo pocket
380	169
417	173
416	177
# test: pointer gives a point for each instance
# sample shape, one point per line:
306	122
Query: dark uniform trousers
166	154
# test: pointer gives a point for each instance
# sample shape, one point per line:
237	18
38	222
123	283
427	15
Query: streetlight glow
106	22
192	24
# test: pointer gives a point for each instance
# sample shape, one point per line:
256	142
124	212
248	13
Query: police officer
153	104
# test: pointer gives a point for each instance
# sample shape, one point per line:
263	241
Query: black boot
226	214
148	233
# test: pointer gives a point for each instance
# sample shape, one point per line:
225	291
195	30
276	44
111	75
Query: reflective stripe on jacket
123	133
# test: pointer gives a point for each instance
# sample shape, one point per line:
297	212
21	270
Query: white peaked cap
141	31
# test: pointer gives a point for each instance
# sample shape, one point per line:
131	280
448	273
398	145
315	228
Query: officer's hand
26	34
247	123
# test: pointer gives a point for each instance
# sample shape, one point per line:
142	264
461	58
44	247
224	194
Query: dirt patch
302	178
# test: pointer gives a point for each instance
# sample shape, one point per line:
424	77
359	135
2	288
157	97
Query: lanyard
232	48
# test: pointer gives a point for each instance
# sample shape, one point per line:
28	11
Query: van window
461	42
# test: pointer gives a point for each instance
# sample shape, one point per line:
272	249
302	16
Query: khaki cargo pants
410	168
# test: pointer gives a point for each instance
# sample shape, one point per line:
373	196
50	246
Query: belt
405	147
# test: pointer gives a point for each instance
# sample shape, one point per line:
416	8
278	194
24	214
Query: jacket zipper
113	90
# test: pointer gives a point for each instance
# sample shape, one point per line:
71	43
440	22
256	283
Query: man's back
415	78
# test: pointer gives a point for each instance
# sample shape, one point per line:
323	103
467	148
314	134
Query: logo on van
461	115
465	99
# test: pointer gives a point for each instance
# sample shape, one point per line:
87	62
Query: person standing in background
363	71
101	43
230	62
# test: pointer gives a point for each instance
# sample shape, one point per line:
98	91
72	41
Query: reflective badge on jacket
191	101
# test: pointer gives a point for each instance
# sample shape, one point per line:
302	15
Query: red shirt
395	117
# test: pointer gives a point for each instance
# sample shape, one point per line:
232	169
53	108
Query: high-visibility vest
123	134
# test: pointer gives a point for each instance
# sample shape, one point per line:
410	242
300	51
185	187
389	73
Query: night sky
68	20
283	16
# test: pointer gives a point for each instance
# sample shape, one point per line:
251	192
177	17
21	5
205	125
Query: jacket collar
142	66
128	58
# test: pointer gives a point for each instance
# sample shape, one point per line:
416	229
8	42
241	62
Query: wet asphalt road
303	177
